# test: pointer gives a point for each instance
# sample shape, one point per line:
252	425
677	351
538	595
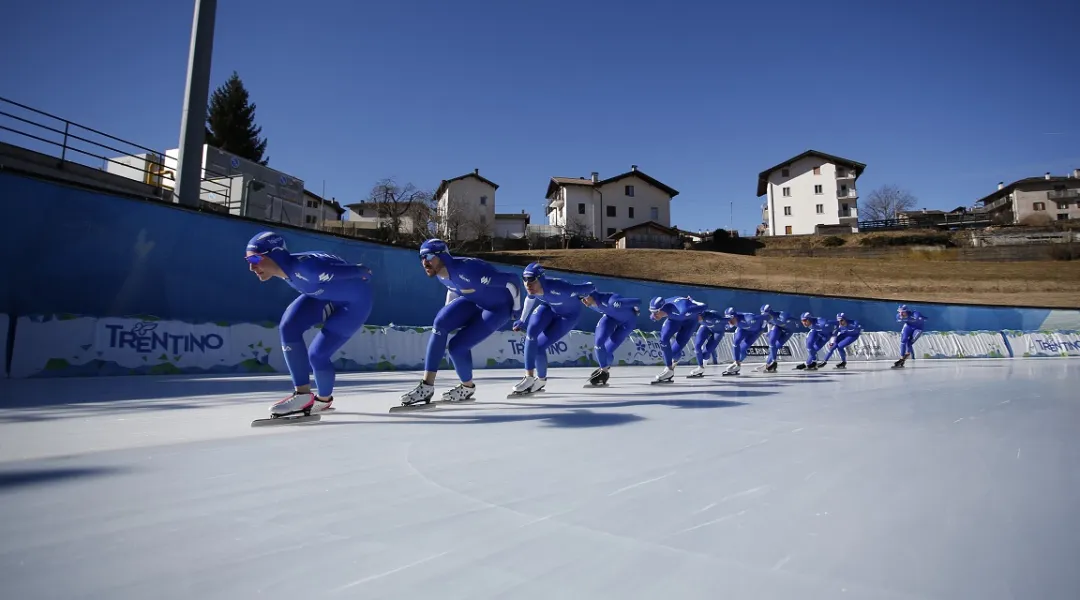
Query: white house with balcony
594	207
809	190
466	206
1035	200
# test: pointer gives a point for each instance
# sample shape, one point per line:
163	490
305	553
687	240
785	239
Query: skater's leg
451	317
538	322
775	342
302	314
682	336
344	321
605	329
701	341
478	328
668	331
618	336
844	342
740	345
555	331
713	344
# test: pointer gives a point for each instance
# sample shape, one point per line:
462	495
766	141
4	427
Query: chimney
595	177
1047	175
633	167
1001	184
476	171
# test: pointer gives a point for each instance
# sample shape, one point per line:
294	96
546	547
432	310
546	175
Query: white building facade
809	190
593	207
466	207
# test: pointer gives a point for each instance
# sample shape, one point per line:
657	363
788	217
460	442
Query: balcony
847	193
845	174
1063	194
997	204
851	213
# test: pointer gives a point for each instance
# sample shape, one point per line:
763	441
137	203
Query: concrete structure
647	235
466	206
1035	200
598	208
808	190
511	225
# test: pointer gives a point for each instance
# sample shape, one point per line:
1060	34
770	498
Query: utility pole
193	119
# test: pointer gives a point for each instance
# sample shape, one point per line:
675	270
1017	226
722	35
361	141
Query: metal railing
847	193
1062	194
845	174
47	134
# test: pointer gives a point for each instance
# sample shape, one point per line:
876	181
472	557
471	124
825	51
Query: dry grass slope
1045	283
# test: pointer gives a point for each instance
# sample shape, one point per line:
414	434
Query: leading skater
332	292
747	328
781	328
913	321
707	339
847	331
479	300
680	314
619	316
556	312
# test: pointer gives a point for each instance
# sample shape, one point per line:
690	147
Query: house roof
557	182
476	173
763	177
1005	191
331	203
647	224
523	216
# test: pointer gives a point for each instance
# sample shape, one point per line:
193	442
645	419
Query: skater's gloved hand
518	325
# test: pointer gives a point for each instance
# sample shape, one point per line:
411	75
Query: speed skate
428	405
287	420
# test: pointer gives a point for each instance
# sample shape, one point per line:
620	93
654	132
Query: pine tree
230	122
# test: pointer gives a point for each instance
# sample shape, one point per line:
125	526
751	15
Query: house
511	225
466	206
649	234
1035	199
370	216
808	190
598	208
318	210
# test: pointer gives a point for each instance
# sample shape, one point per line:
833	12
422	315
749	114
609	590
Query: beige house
1035	200
597	208
466	206
647	235
808	190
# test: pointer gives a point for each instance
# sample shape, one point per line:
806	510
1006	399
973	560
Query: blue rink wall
79	252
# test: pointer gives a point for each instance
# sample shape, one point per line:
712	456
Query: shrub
833	241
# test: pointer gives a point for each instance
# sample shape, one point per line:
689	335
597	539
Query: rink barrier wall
78	346
89	253
4	329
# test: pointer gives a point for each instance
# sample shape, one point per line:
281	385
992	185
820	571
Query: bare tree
395	203
887	202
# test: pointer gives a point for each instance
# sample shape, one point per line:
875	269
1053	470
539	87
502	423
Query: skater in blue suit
913	321
781	328
333	292
847	331
747	328
479	300
819	331
616	324
707	339
680	314
551	311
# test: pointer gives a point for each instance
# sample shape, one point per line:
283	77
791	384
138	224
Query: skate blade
414	407
599	385
695	376
654	382
523	394
290	420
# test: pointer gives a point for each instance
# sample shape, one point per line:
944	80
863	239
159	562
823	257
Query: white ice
946	479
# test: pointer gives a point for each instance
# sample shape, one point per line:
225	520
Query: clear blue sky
942	98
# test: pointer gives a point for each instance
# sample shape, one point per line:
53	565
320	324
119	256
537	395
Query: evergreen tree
230	122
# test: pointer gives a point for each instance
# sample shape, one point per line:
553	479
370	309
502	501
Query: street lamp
193	118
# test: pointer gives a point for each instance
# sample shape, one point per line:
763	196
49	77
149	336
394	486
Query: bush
912	239
833	241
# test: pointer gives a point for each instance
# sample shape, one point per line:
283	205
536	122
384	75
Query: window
310	219
817	170
785	172
629	190
817	190
483	200
1062	205
787	211
654	213
630	209
1039	206
610	231
846	211
786	192
1063	216
610	211
787	229
581	208
820	209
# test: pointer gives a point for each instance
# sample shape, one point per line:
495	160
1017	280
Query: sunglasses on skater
427	256
255	258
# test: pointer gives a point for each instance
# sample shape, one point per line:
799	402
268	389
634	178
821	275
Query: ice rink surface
945	480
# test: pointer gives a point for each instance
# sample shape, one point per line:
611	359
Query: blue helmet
656	304
766	309
435	247
806	316
533	271
841	317
902	308
266	242
729	312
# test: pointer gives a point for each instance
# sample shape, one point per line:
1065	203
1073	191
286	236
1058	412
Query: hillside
1044	283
